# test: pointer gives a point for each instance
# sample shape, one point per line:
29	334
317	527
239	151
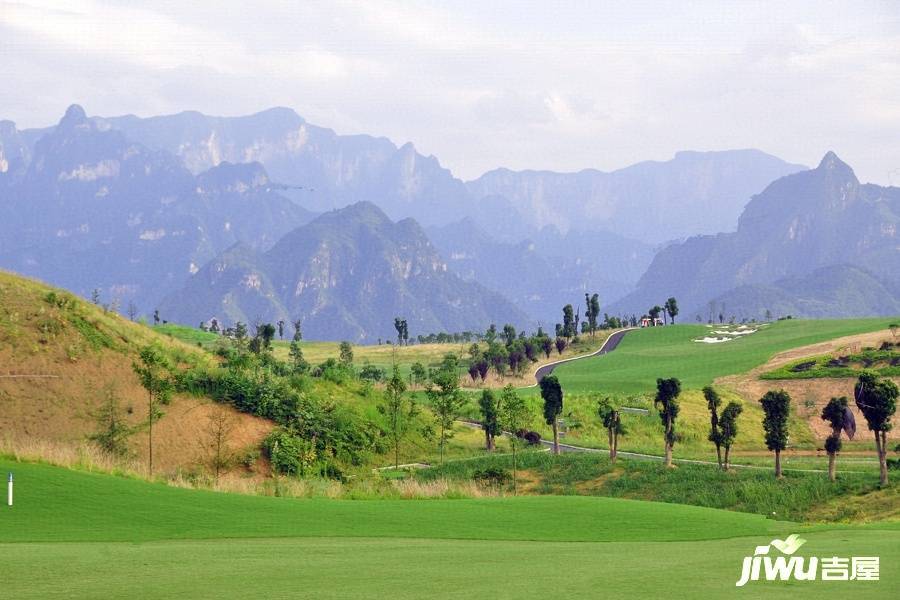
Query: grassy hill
646	354
61	357
91	535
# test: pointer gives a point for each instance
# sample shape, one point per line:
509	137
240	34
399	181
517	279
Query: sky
524	85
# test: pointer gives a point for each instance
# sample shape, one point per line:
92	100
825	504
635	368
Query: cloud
523	85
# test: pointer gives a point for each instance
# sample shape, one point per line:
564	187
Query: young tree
666	402
876	399
419	373
399	408
592	312
715	434
833	413
219	426
568	326
132	310
609	414
156	316
777	408
552	393
95	297
514	417
490	415
728	429
561	344
546	346
154	373
280	329
509	334
398	325
446	400
346	354
112	437
672	308
654	312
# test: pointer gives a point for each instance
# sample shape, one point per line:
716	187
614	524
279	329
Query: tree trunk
881	447
727	453
555	437
515	470
487	441
615	452
151	435
778	474
442	444
612	449
831	457
719	455
668	460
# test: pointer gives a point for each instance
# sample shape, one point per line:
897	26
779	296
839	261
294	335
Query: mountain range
226	216
345	274
789	242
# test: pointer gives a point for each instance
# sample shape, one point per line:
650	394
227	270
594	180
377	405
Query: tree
95	297
728	428
156	316
654	313
262	341
280	329
112	437
833	413
672	308
666	402
609	415
551	392
561	344
419	373
346	354
514	417
568	326
715	434
218	429
490	418
490	336
446	400
399	409
592	312
296	352
509	334
877	401
132	310
546	346
214	325
400	326
777	408
154	373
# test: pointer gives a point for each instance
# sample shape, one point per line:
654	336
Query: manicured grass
76	535
647	354
884	362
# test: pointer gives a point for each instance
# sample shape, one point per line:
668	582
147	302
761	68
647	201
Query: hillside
346	275
800	223
62	357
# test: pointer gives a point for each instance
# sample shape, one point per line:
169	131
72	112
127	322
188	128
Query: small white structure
648	322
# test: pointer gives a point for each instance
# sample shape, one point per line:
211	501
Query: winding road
608	346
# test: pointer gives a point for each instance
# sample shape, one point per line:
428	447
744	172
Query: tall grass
82	456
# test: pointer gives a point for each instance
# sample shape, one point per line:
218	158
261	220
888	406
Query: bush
493	476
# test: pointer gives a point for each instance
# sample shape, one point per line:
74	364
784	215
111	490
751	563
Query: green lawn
79	535
646	354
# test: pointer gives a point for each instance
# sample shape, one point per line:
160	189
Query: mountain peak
831	162
74	117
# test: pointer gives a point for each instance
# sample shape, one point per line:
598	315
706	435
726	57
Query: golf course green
646	354
79	534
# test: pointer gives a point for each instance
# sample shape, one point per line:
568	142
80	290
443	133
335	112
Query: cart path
608	346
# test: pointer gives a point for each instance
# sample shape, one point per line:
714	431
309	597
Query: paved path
608	346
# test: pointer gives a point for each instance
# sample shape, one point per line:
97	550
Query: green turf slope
646	354
80	535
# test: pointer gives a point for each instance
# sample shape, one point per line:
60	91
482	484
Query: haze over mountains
790	241
211	214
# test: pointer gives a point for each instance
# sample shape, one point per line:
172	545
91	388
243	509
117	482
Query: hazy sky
553	85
